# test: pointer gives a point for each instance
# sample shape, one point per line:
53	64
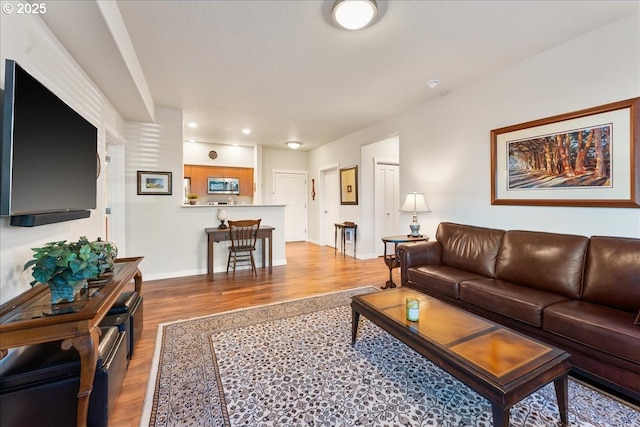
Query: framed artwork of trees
586	158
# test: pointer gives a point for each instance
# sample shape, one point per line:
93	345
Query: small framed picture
155	183
349	186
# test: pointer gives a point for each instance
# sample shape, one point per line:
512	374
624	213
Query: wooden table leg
343	246
355	319
264	258
335	239
355	240
138	281
390	261
270	252
210	256
500	416
390	283
562	395
87	346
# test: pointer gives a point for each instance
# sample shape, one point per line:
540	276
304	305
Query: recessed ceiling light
433	84
294	145
354	14
246	131
192	125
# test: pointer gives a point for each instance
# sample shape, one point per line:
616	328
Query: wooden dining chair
244	234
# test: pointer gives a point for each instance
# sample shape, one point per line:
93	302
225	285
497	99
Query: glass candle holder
413	309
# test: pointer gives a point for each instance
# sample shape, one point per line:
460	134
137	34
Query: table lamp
415	203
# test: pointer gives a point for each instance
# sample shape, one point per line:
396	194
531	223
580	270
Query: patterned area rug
292	364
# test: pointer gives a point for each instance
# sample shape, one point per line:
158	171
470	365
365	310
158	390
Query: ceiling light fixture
246	131
193	125
294	145
354	14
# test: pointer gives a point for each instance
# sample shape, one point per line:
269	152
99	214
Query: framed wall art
349	186
586	158
154	183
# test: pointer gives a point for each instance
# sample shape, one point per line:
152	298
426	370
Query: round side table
391	260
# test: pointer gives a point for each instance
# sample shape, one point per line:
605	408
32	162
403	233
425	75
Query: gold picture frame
349	186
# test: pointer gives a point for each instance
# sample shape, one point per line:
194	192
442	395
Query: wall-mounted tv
48	158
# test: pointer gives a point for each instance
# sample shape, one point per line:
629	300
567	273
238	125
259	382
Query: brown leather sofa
578	293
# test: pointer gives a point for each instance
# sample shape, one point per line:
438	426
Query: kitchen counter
225	205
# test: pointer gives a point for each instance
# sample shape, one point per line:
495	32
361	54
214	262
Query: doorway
290	189
329	206
387	201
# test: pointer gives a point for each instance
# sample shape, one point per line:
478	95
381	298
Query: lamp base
415	229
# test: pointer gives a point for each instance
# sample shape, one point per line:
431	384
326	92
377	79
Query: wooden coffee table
501	365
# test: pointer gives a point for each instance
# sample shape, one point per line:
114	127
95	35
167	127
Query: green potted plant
192	197
66	267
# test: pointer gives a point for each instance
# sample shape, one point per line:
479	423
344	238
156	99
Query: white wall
26	39
275	159
197	153
154	229
444	143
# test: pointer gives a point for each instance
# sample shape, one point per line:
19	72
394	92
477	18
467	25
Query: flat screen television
48	156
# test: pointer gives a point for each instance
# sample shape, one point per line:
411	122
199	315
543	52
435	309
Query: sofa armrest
419	253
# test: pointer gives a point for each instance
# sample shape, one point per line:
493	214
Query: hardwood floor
310	270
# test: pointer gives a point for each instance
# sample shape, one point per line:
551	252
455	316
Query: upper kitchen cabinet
199	175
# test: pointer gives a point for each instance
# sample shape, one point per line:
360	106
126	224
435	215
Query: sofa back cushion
469	248
612	273
546	261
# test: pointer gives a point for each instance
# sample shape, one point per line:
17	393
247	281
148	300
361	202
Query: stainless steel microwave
223	185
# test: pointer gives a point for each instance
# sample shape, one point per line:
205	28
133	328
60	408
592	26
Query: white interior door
290	189
330	205
387	202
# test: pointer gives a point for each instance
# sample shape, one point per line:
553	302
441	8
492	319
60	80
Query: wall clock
213	155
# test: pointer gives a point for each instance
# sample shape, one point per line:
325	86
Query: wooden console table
343	227
215	234
30	318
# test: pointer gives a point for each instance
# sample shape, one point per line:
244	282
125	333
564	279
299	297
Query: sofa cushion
546	261
441	279
508	299
469	248
603	328
612	273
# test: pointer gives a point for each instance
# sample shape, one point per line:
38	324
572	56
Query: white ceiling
282	69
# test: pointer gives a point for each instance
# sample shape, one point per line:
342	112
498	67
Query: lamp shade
354	14
415	203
